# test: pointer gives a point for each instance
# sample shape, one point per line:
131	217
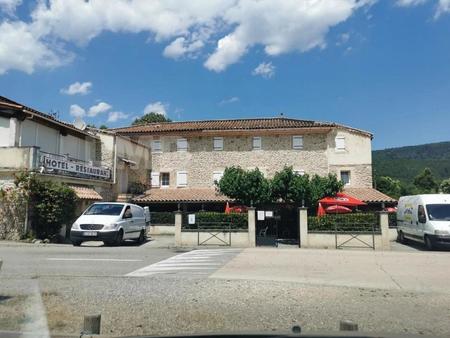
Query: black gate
214	233
266	228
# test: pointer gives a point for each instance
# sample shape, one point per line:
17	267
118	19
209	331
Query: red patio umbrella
338	209
227	208
320	210
342	199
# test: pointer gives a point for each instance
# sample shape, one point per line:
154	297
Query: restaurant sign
64	164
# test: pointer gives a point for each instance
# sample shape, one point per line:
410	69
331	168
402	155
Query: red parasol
320	210
338	209
227	208
342	200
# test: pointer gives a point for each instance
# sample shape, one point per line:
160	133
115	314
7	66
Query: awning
369	195
127	161
341	199
181	195
85	193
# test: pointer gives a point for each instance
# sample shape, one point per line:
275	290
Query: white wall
78	148
4	132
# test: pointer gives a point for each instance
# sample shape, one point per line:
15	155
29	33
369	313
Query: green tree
322	186
151	118
247	187
103	126
389	186
445	186
425	182
290	187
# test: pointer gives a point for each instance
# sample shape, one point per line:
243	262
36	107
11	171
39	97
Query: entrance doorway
277	225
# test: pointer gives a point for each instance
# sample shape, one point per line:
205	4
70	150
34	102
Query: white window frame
349	176
184	140
300	172
219	146
340	143
298	146
178	179
161	179
154	179
257	139
217	173
155	149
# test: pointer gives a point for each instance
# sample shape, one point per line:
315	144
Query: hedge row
217	220
393	220
167	218
348	222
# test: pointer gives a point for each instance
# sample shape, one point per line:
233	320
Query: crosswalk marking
196	262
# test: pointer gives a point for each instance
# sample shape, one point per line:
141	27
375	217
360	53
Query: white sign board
269	214
261	215
191	218
63	164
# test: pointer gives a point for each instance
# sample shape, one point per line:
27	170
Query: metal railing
213	230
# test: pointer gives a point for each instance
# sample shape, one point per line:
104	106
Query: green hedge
348	222
167	218
217	220
392	220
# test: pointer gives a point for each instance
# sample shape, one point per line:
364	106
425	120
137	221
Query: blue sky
382	66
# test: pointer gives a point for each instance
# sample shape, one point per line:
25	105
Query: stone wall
317	156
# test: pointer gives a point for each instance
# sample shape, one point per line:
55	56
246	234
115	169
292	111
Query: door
128	223
421	221
138	220
266	228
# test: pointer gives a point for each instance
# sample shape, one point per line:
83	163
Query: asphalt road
150	290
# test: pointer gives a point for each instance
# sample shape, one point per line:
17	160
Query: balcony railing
69	166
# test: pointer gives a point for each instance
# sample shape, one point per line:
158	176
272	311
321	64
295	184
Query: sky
378	65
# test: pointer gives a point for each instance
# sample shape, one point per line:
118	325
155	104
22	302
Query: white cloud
99	108
232	99
408	3
77	111
116	115
9	6
21	49
265	69
343	39
233	26
443	7
77	88
156	107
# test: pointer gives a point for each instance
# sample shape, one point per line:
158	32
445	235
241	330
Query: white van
111	223
424	218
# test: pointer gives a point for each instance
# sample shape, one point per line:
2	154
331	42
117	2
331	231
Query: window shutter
156	146
299	172
340	143
256	142
155	179
181	178
297	142
218	143
182	144
217	175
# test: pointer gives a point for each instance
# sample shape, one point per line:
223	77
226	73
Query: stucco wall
15	158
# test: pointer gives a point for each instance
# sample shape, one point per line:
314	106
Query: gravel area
171	305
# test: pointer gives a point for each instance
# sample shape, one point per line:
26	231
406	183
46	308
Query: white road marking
197	262
95	259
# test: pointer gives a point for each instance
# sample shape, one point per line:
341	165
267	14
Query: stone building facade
192	155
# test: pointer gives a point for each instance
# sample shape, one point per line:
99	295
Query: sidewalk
415	271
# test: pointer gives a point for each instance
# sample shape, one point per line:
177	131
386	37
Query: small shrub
392	219
136	188
348	222
217	220
166	218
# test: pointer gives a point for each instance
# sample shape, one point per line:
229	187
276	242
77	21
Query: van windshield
104	209
438	212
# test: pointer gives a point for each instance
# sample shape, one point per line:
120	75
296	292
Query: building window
217	176
297	142
155	179
165	180
340	143
345	177
218	143
182	144
181	178
257	143
156	146
299	172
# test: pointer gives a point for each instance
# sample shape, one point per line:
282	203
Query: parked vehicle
424	218
111	223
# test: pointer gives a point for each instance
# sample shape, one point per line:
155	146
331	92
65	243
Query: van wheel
76	243
119	238
141	238
401	237
428	243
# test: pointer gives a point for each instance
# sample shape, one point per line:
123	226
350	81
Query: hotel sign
64	164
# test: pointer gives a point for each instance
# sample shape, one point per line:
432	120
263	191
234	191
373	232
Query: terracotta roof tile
369	195
229	125
181	195
86	193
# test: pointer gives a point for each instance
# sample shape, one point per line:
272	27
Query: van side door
421	220
127	222
139	220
